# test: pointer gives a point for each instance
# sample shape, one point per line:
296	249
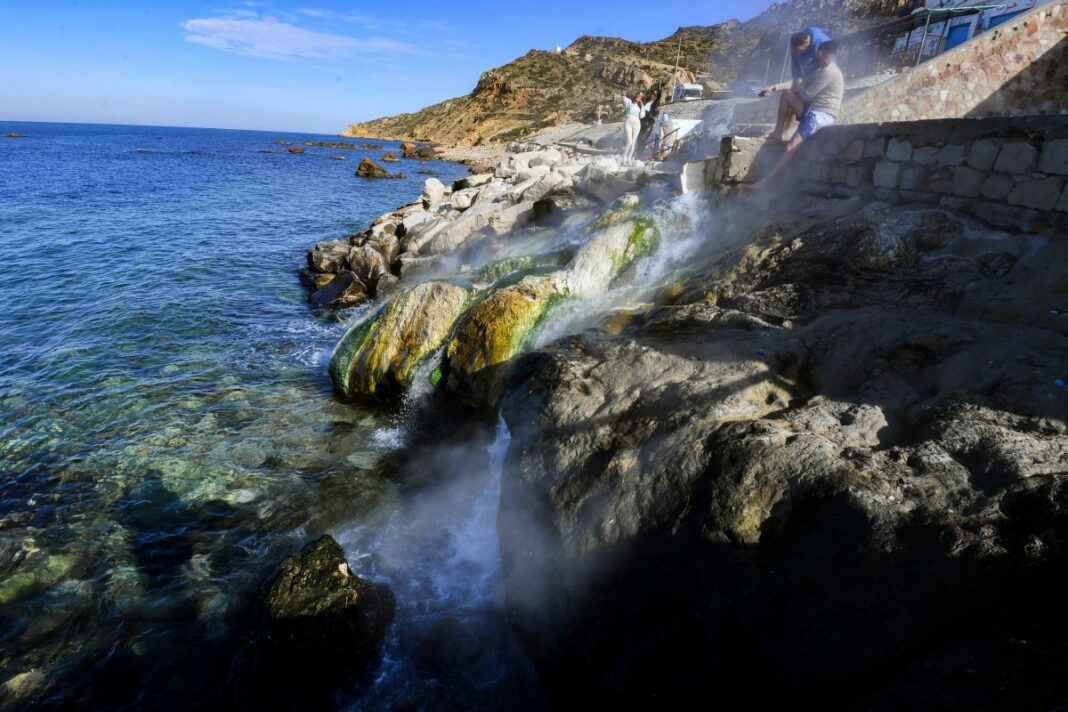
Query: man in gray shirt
817	100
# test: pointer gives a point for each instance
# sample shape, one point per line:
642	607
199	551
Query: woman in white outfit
632	124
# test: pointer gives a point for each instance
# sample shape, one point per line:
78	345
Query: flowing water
167	428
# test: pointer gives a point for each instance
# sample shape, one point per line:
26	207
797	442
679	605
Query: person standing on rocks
804	52
817	101
634	110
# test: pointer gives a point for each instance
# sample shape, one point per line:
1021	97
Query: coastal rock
370	169
830	453
464	199
504	221
344	290
368	264
433	192
388	245
492	333
328	256
313	280
387	284
389	157
408	149
296	149
412	266
322	613
378	357
472	181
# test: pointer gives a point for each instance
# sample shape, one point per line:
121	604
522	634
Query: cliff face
546	88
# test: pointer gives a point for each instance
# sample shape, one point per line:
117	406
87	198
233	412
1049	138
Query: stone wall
1019	68
1010	172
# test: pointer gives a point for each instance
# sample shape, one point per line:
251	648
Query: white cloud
271	38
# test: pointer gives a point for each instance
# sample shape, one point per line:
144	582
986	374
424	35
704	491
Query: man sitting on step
817	101
804	51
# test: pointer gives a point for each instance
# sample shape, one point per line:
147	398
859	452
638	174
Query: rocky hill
542	89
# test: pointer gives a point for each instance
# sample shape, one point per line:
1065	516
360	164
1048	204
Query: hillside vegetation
543	89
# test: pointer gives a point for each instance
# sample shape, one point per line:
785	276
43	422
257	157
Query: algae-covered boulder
378	356
610	253
493	332
502	325
524	265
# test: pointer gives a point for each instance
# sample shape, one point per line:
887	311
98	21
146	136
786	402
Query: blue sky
305	65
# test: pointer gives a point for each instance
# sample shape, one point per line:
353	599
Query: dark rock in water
834	475
322	627
370	169
313	280
372	147
409	149
337	158
390	157
344	290
427	154
14	135
281	142
318	608
296	149
428	172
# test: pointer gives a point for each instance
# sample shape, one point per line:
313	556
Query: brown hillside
542	89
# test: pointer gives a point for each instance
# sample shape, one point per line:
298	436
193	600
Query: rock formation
828	475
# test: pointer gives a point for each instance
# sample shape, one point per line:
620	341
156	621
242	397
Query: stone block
925	156
997	187
913	178
886	174
941	181
1055	157
875	148
859	175
967	181
855	152
1062	204
951	155
900	149
1037	193
982	154
1015	158
837	173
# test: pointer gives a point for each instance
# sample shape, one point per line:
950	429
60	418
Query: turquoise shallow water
167	428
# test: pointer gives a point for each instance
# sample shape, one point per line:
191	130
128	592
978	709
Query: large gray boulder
816	481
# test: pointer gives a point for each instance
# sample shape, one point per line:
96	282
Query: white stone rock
433	192
472	181
464	199
533	172
505	220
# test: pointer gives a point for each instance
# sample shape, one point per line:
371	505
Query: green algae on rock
493	332
378	356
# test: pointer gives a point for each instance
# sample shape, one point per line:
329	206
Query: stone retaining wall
1019	68
1009	172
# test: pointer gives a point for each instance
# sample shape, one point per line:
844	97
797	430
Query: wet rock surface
321	627
823	471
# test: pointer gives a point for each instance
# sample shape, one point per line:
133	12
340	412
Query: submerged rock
378	357
296	149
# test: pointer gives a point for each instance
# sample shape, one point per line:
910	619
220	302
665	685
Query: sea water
168	431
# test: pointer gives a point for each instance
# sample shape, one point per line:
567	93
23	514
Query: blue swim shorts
813	121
